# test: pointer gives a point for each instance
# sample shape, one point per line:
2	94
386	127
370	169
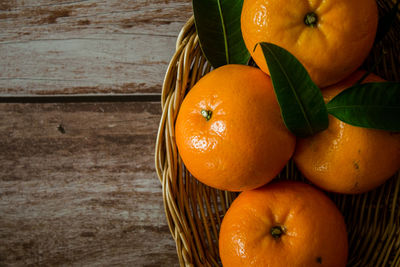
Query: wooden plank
78	186
87	46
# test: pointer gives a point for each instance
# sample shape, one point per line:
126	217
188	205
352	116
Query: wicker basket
194	211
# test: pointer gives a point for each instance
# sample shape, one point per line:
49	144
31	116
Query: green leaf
218	27
369	105
302	105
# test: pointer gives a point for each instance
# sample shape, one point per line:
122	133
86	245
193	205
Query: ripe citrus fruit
229	129
283	224
330	38
345	158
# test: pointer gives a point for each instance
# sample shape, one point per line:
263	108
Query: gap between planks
89	98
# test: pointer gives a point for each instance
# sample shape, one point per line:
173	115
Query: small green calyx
206	114
311	19
277	232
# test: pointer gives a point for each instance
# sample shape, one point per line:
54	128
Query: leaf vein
224	31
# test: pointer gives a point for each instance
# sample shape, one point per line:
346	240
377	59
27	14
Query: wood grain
78	186
52	47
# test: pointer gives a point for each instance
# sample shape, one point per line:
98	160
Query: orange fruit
346	158
229	130
331	38
283	224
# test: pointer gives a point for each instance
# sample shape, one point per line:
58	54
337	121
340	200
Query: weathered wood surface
77	180
78	186
87	46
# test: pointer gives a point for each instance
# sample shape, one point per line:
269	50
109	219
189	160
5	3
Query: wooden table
80	85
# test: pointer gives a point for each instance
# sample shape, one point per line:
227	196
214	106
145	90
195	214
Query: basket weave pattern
194	211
